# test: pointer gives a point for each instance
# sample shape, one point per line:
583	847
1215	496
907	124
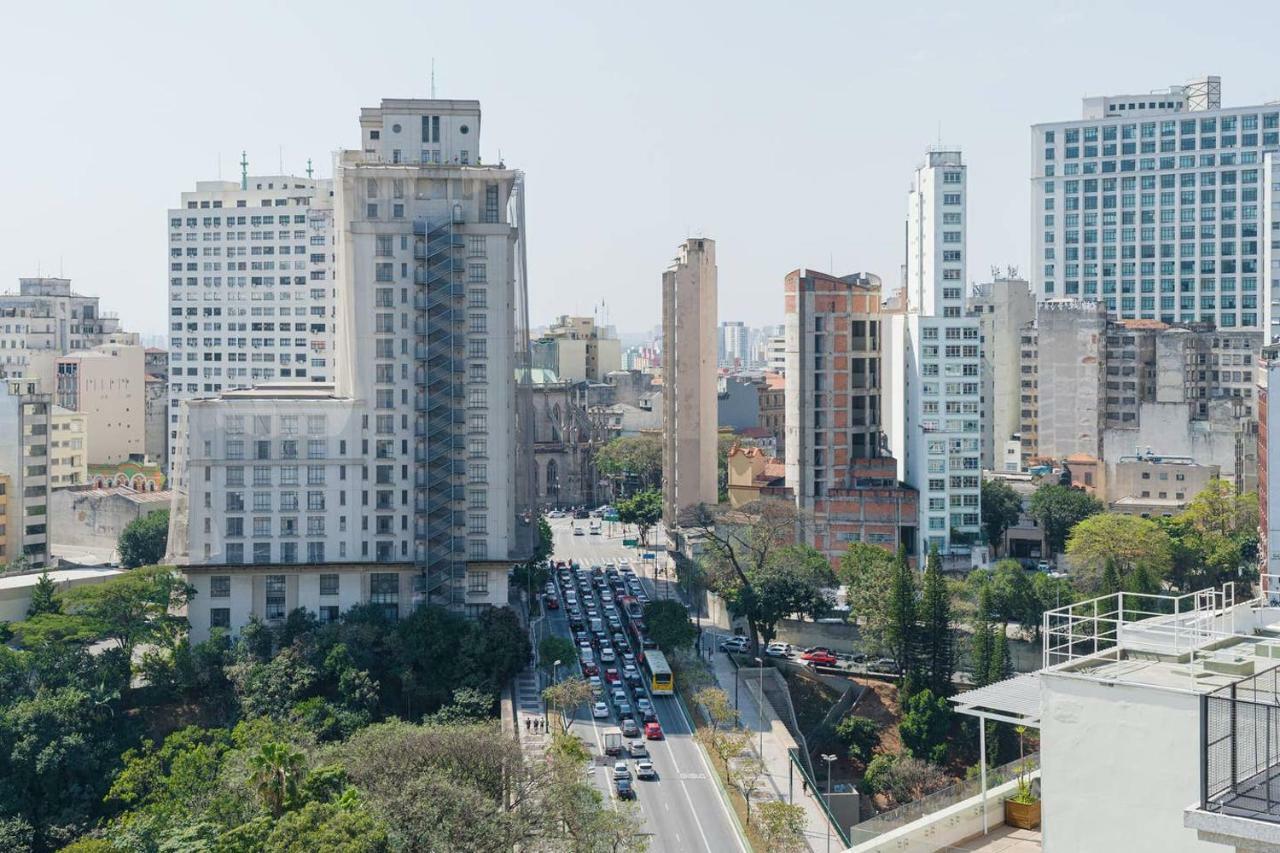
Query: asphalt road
683	809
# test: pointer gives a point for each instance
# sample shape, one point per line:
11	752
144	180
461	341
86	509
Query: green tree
1215	539
715	702
469	705
860	735
1139	547
344	825
277	772
644	510
982	642
632	462
1057	509
669	624
744	776
1001	666
926	720
143	541
867	573
741	547
552	648
567	697
797	580
142	605
937	646
781	826
44	596
900	630
1001	508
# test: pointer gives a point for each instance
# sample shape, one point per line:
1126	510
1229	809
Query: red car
819	658
652	731
553	603
611	676
590	669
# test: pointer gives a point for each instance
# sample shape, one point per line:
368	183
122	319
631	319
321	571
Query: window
275	596
328	584
262	552
384	590
315	552
220	586
235	553
220	617
478	582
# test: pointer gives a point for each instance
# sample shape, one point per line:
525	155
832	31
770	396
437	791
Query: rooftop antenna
244	171
433	78
308	167
280	149
219	165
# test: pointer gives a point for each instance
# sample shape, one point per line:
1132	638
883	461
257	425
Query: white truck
613	742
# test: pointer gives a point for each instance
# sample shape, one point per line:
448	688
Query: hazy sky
786	131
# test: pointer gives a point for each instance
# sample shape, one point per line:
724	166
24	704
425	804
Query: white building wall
1118	765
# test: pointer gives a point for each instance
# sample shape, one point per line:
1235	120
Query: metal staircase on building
439	330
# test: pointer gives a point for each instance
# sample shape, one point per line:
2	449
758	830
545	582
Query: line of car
813	656
591	596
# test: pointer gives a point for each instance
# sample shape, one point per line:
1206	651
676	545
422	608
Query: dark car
553	603
581	513
624	789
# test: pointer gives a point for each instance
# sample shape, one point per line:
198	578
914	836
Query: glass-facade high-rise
1151	204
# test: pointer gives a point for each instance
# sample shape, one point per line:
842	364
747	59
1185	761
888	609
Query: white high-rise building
734	352
414	486
250	287
46	318
933	420
1151	204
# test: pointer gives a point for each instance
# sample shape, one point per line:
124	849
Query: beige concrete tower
689	351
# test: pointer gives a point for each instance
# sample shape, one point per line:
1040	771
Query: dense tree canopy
632	462
1138	548
143	541
644	510
1057	509
1001	508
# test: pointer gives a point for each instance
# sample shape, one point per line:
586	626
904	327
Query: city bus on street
661	682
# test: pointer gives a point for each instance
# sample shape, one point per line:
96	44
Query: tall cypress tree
937	650
1001	666
44	596
900	633
980	651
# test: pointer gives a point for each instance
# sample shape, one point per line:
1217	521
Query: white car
621	770
644	769
600	711
777	650
577	531
734	644
643	705
556	513
630	673
606	597
597	686
619	695
607	655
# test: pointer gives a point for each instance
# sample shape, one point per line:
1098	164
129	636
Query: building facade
1150	205
933	363
25	418
107	384
844	484
429	410
1003	307
45	316
68	448
578	350
689	344
250	286
734	345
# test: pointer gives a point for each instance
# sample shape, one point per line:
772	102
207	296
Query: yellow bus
661	682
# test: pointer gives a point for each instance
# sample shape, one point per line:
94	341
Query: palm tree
278	769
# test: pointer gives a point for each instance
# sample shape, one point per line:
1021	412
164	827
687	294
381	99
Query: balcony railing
1240	748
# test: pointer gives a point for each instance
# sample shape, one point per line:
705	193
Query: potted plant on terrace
1023	808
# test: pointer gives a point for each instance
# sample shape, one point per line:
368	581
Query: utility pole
828	759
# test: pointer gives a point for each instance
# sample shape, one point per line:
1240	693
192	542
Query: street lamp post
828	759
760	704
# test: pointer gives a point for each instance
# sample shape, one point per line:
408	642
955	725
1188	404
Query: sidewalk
529	707
781	780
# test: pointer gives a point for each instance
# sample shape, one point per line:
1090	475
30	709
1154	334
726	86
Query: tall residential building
1150	204
689	379
576	349
250	287
406	479
25	419
1003	307
46	316
775	353
734	349
933	362
1067	375
68	448
845	486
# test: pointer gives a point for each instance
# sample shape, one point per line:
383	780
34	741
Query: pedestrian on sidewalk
526	724
805	783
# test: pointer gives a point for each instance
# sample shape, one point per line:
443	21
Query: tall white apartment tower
250	288
933	420
415	483
1152	205
734	352
689	345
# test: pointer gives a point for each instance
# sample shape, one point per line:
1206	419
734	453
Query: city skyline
683	177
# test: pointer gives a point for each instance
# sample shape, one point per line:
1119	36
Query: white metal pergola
1015	700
